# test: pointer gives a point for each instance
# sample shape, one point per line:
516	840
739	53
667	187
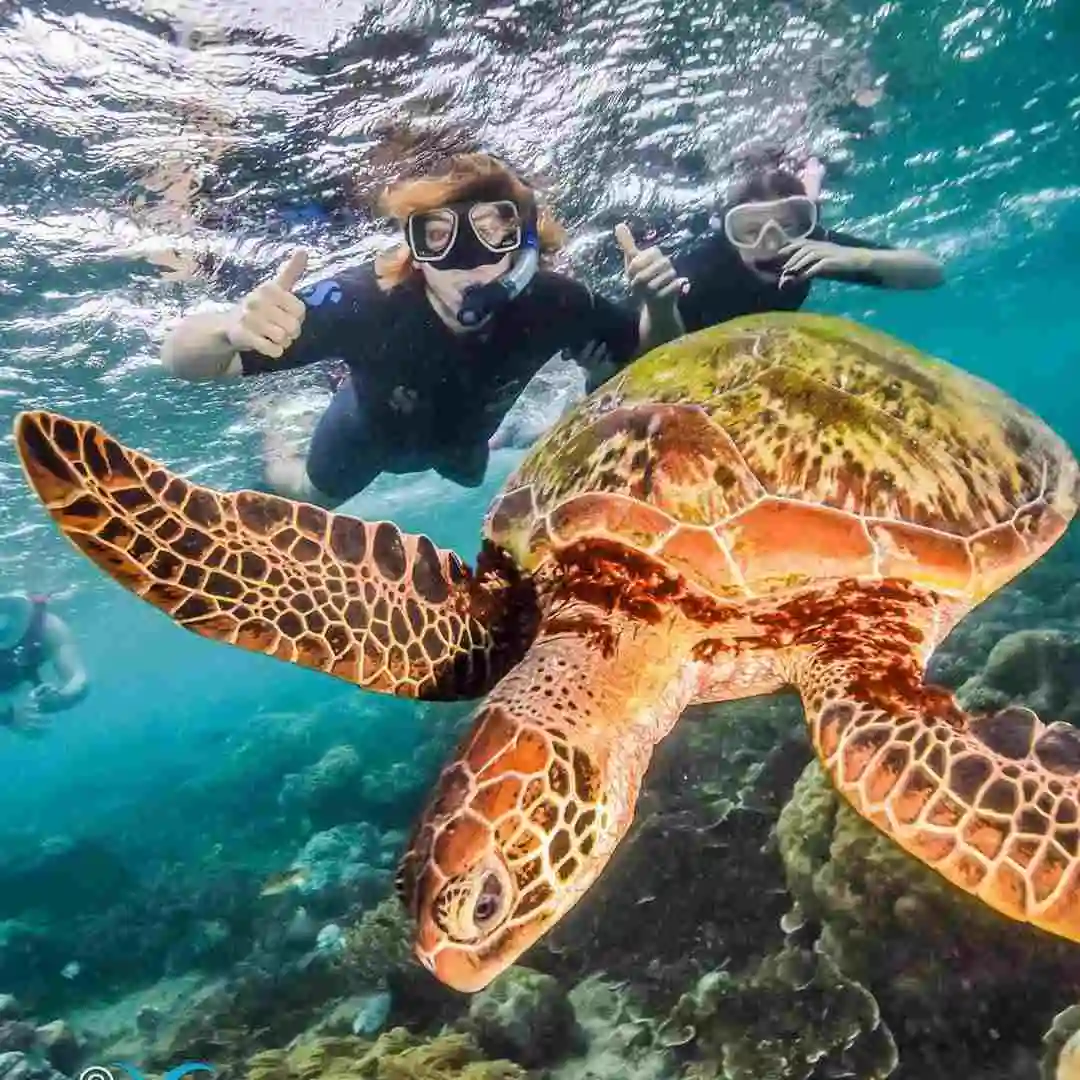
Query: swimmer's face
764	252
450	285
760	230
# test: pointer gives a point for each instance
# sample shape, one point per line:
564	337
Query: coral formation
794	1017
620	1040
1036	668
379	946
344	866
328	792
941	966
1061	1047
525	1016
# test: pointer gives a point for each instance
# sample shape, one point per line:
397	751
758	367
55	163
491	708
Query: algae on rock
396	1055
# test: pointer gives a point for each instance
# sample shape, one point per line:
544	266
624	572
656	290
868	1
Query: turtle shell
783	450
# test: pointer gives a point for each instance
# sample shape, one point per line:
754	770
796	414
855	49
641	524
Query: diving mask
794	217
465	235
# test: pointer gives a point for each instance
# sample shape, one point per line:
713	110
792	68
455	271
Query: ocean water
131	128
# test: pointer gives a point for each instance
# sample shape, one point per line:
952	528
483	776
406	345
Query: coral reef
379	946
1036	668
943	967
525	1016
620	1040
792	1018
328	792
342	867
692	922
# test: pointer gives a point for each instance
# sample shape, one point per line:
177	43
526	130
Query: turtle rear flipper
992	803
359	600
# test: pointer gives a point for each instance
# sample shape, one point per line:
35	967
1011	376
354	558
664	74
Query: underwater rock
17	1035
794	1017
331	939
9	1007
525	1016
60	1045
30	960
148	1020
329	792
397	1055
364	1015
207	945
944	968
302	931
1036	668
18	1066
372	1013
267	1001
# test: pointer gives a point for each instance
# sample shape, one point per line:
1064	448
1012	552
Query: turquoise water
972	152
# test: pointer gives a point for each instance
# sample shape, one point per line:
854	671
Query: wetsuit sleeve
615	326
721	287
335	307
856	277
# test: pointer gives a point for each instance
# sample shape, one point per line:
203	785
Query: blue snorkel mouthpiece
480	302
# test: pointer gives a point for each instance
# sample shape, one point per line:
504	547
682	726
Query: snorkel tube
480	302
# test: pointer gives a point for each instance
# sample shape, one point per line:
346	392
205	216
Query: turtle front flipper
992	803
358	600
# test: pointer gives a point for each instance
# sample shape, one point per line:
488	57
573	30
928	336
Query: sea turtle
784	500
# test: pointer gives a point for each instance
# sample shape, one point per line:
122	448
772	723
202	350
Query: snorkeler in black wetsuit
440	336
766	246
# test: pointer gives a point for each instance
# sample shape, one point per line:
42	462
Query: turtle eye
490	903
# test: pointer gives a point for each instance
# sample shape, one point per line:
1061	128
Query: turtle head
518	828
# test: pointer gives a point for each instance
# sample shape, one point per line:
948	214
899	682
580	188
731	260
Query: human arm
71	681
610	339
842	257
208	345
654	282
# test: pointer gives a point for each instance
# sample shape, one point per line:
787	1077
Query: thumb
625	240
292	270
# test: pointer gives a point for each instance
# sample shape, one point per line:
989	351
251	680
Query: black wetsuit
22	663
419	395
723	287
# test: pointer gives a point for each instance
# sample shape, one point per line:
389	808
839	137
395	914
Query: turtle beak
462	971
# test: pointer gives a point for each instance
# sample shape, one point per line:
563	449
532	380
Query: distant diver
34	639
